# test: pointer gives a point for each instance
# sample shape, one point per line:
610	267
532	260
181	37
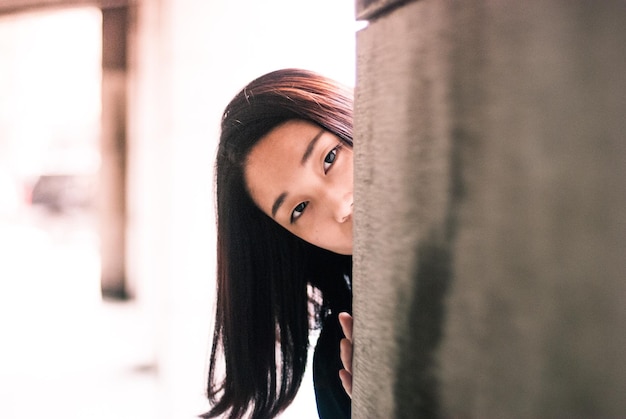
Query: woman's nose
342	207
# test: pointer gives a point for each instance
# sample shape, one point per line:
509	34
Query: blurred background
109	119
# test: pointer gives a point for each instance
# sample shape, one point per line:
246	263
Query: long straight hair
260	338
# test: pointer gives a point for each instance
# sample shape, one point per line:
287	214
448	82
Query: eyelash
302	205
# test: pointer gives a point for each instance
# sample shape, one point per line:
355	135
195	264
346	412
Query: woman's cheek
316	236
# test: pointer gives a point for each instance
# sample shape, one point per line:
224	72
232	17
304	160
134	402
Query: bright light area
65	352
50	84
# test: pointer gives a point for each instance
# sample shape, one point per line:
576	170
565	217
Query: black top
332	400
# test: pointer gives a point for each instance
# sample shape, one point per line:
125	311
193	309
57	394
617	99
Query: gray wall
490	261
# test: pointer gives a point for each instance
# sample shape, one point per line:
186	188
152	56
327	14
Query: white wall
191	57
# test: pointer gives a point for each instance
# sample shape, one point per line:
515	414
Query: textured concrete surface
491	211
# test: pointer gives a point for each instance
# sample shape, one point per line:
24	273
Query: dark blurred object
64	193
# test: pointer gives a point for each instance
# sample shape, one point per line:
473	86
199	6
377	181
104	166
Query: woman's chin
347	250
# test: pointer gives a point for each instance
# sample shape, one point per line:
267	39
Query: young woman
284	261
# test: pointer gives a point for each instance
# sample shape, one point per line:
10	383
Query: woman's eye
298	210
330	158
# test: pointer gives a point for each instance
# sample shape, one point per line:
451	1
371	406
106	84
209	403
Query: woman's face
301	176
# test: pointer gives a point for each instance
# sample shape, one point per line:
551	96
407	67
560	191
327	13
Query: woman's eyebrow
279	201
311	146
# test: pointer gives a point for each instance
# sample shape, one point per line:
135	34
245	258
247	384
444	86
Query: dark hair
263	271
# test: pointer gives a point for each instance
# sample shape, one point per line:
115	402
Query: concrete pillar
112	185
490	209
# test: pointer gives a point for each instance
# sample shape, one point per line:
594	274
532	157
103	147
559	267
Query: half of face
302	176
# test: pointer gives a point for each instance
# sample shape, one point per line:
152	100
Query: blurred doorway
63	124
50	110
